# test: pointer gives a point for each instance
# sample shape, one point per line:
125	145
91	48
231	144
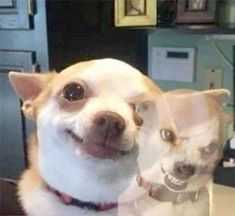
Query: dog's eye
208	150
167	135
73	92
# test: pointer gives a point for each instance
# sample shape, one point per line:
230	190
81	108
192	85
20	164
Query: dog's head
185	137
86	121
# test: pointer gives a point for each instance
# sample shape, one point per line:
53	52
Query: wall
207	56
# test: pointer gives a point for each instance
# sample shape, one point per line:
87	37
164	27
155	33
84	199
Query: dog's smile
172	182
97	150
74	136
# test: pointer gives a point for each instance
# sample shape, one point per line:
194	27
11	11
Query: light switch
213	78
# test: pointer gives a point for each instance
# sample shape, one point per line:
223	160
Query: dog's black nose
183	170
109	124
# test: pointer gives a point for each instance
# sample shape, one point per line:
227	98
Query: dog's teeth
175	180
170	177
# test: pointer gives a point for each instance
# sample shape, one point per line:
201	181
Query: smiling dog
180	143
84	153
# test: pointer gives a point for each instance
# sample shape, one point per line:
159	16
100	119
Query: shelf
194	29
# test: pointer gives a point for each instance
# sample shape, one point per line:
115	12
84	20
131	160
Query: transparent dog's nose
109	124
183	170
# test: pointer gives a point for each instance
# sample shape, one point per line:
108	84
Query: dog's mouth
74	136
172	182
99	150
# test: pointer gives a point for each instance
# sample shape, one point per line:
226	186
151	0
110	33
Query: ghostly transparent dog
180	144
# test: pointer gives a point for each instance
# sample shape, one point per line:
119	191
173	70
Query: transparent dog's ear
28	87
145	105
221	95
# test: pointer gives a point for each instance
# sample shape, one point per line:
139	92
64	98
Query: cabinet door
14	14
23	45
13	127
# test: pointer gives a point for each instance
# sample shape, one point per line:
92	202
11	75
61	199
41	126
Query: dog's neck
69	173
67	200
162	193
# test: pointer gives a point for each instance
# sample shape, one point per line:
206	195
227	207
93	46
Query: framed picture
135	13
196	11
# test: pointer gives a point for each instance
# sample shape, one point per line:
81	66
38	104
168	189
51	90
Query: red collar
67	200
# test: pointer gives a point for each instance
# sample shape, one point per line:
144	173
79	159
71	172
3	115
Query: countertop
223	200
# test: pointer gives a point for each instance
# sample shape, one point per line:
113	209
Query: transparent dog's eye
167	135
73	92
208	150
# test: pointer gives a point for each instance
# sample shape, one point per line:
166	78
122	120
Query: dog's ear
28	87
221	95
145	105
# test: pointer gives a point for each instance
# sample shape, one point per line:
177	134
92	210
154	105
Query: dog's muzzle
177	180
105	136
108	126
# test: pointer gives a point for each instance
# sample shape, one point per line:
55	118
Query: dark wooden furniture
85	30
9	204
23	48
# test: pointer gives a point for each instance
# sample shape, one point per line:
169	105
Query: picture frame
135	13
196	11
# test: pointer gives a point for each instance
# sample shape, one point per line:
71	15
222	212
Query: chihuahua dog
84	153
180	143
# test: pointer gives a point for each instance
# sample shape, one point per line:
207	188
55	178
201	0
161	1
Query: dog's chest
42	202
146	206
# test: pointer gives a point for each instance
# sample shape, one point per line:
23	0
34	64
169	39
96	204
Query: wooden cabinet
23	48
15	14
12	122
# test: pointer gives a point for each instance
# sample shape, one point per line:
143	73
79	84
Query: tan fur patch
29	181
45	94
32	150
151	85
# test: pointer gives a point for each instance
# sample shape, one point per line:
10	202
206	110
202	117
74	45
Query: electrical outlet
213	78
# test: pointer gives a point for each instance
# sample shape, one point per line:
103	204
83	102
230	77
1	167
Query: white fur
42	202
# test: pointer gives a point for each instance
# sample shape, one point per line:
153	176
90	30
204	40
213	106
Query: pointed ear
221	95
145	104
28	86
